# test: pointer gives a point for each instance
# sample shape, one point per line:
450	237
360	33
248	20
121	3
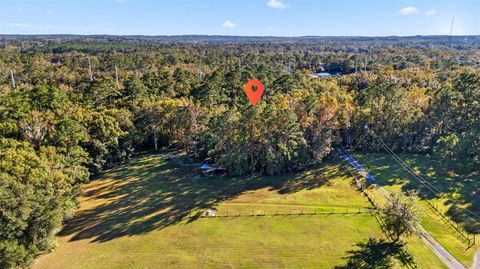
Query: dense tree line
57	127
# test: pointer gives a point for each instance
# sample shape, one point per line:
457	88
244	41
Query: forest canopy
71	107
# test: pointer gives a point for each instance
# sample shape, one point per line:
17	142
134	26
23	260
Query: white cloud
23	25
276	4
229	24
19	9
408	11
121	1
431	13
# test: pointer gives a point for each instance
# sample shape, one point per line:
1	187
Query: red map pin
254	96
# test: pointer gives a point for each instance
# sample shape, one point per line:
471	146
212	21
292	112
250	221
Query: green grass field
139	215
456	192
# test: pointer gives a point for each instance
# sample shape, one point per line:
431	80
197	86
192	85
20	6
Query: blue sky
240	17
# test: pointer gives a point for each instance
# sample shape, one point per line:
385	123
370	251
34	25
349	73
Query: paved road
425	236
476	260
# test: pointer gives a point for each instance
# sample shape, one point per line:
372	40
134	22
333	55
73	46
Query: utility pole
155	138
200	73
451	31
356	64
116	73
13	78
366	61
116	68
90	69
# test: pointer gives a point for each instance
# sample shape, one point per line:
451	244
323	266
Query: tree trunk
155	139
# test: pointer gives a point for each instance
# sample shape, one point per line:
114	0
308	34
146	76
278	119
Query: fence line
298	212
466	237
405	256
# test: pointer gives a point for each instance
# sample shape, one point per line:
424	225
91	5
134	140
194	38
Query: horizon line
254	36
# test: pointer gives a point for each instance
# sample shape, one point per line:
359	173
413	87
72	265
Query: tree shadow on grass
375	253
151	193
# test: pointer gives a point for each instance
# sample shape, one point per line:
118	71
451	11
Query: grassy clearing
137	216
457	191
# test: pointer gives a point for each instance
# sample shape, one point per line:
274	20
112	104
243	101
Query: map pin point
254	96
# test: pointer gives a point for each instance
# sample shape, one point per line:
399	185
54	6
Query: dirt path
425	236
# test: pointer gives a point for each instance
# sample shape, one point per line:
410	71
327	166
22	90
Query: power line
417	176
408	168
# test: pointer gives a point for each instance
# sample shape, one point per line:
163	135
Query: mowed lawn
145	215
458	197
